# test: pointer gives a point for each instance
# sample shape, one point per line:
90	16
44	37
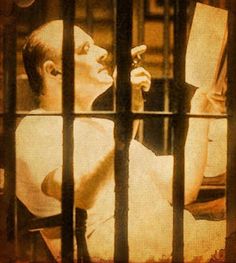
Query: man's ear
50	69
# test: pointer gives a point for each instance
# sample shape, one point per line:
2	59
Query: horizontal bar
134	115
89	113
37	224
137	115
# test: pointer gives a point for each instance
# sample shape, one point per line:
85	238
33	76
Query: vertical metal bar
89	17
214	3
140	41
180	23
80	233
141	21
231	155
68	142
9	63
166	50
123	127
1	74
114	48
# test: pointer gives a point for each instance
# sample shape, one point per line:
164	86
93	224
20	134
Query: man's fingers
140	71
141	78
141	82
138	50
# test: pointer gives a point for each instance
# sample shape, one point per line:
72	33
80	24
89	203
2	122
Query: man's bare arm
196	150
87	186
196	147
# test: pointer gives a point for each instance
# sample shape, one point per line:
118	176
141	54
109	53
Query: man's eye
84	49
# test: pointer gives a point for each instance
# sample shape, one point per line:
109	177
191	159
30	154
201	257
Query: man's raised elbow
82	201
83	204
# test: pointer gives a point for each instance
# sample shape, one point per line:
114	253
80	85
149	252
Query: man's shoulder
39	118
103	126
143	156
38	126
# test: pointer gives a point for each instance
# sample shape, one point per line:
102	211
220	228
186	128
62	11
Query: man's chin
107	81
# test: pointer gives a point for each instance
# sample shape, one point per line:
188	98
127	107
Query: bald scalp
44	43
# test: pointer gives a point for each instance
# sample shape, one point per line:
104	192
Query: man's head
42	58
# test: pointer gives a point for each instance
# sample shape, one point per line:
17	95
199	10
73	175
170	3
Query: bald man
39	157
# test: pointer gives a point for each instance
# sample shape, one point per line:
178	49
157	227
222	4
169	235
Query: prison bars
123	126
166	69
231	208
89	16
9	69
140	39
67	232
123	130
231	155
179	123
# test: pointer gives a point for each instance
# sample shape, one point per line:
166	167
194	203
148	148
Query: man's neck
82	105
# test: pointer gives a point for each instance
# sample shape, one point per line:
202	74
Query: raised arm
196	147
140	80
196	150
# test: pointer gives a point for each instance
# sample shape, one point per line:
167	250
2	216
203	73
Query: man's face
91	74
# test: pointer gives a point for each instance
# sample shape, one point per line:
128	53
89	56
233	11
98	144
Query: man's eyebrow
79	49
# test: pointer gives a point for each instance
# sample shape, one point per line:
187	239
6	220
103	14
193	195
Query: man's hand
140	78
